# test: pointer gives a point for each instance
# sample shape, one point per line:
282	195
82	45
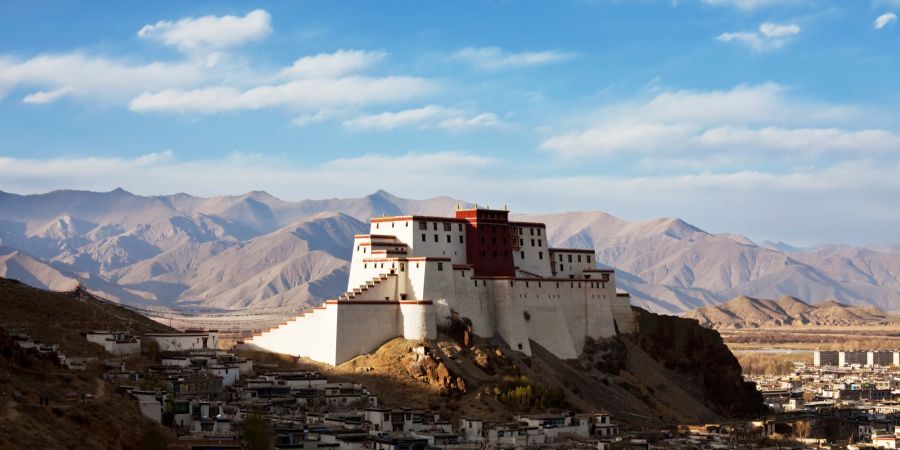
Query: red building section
489	242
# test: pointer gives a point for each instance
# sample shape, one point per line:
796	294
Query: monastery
410	272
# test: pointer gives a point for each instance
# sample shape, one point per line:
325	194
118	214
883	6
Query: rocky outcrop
703	361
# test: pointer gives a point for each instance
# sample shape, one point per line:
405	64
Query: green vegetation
256	433
521	394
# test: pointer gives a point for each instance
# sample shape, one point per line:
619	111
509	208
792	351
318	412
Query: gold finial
457	206
505	208
476	205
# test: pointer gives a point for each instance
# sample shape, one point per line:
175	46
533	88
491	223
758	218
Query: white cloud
80	75
493	58
618	137
304	94
705	126
884	19
339	63
430	116
746	5
483	120
770	36
209	32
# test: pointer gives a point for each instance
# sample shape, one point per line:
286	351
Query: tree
256	433
154	438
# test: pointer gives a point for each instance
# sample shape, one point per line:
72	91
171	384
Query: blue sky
774	119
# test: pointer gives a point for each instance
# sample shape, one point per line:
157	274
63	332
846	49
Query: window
460	227
589	258
377	225
540	255
522	255
435	238
521	242
364	266
539	243
570	258
561	267
448	238
423	237
402	267
532	242
460	239
539	231
434	225
423	225
579	258
440	266
406	224
520	231
532	231
447	226
392	224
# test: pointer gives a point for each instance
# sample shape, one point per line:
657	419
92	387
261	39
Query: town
210	397
846	397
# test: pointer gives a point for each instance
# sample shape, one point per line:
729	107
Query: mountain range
258	251
749	312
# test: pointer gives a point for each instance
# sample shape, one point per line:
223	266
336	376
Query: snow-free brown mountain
255	250
749	312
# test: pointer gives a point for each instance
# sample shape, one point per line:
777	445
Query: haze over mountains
748	312
257	251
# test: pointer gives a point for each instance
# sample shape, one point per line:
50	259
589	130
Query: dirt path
101	389
11	411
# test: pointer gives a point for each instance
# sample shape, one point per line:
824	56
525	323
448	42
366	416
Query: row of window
540	255
570	258
423	226
449	239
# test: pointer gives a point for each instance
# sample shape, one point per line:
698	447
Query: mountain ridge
158	250
749	312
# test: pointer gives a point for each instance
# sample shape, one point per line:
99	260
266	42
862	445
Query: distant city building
861	358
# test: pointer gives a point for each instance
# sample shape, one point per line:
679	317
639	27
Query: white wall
533	246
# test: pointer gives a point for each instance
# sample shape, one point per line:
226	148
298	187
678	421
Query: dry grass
770	363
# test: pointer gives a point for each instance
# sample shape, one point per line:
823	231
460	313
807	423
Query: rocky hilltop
670	371
749	312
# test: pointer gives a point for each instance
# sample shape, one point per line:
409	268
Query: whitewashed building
189	340
410	273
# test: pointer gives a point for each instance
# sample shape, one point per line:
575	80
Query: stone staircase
347	296
352	294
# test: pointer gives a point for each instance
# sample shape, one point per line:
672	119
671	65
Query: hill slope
748	312
110	419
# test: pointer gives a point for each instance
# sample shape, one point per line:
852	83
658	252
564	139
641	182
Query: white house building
411	272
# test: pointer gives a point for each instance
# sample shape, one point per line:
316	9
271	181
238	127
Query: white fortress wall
623	314
438	237
313	335
533	254
364	326
470	298
417	320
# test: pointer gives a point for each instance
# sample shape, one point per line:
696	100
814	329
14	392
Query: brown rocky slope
670	371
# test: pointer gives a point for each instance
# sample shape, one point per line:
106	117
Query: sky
775	119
